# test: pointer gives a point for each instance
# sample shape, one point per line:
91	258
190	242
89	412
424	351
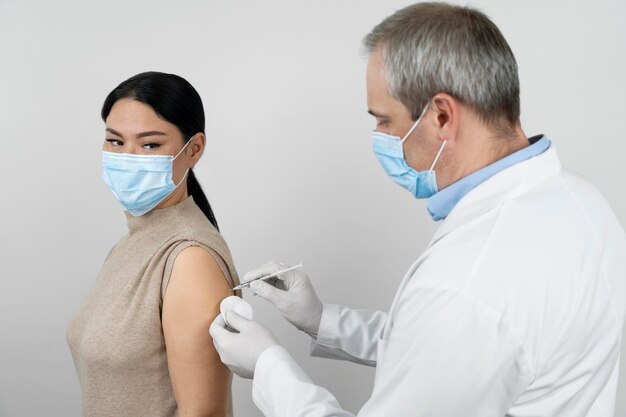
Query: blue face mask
390	153
139	182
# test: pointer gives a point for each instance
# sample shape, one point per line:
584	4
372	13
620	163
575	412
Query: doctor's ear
446	116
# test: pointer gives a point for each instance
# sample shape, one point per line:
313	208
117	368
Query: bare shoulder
196	276
191	302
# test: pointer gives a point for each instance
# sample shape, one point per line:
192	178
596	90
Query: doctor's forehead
375	76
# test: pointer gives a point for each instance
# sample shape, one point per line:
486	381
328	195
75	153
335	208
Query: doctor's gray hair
431	48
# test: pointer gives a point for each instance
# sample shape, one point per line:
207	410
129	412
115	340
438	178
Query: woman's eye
151	146
115	142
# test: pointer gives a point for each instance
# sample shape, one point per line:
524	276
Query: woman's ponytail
194	190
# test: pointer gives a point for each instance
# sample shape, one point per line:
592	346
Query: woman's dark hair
176	101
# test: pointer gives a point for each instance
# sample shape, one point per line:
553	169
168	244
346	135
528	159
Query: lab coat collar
507	184
442	203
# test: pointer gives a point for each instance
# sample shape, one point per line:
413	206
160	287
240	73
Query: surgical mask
390	153
139	182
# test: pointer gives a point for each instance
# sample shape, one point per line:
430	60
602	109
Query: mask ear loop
443	145
187	171
183	148
182	180
411	130
416	123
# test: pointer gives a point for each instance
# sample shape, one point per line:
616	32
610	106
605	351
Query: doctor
517	305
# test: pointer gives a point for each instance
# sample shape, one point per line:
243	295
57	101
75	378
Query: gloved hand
292	293
240	350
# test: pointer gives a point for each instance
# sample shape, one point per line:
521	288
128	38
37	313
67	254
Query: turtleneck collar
159	216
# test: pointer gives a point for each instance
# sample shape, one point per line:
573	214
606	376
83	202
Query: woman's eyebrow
151	133
139	135
115	132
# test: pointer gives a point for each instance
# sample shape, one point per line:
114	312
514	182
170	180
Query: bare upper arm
200	381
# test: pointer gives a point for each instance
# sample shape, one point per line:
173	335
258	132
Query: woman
140	340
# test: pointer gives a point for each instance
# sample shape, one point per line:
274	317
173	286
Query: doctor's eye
115	142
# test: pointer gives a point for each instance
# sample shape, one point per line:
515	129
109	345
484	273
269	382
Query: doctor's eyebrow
376	115
380	118
139	135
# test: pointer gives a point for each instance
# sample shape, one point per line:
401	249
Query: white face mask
140	182
390	153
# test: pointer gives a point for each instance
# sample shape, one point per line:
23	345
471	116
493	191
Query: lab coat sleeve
448	354
281	388
349	334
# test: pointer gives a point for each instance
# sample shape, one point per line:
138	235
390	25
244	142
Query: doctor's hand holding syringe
291	292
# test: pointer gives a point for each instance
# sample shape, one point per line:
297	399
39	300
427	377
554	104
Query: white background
288	168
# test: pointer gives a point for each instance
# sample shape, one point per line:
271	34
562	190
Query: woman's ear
196	148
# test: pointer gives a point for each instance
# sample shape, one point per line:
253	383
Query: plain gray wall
288	167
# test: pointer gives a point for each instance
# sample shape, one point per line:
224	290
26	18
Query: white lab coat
515	308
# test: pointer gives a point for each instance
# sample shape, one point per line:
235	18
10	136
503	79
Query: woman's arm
197	286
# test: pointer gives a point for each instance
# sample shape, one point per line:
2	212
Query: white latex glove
240	349
238	305
292	293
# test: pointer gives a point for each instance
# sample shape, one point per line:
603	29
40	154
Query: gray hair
431	48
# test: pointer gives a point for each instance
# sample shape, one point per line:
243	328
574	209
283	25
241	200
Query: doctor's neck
477	145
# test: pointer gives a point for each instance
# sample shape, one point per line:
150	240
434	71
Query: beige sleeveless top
116	337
